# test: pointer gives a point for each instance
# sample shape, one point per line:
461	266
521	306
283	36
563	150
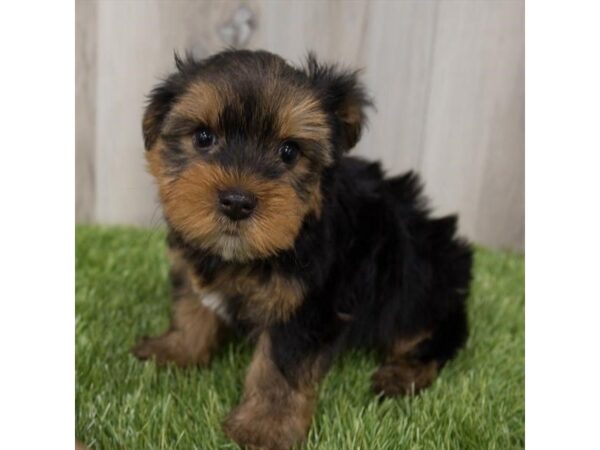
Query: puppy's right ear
161	100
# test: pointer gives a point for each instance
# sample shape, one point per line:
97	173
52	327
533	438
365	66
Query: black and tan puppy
276	233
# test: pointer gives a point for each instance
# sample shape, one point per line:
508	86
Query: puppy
274	232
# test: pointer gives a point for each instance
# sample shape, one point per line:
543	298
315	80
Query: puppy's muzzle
237	204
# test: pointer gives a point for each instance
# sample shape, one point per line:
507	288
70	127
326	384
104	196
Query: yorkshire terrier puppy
275	233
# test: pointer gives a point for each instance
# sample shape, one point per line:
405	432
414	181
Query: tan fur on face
298	112
272	414
190	203
301	117
202	103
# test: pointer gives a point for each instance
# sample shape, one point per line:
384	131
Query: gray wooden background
447	77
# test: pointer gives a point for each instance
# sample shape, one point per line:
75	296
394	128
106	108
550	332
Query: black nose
236	204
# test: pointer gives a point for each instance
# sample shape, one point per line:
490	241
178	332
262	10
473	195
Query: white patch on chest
214	301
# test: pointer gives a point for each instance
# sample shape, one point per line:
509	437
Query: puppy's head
238	143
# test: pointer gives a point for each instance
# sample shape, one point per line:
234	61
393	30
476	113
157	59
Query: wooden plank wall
447	77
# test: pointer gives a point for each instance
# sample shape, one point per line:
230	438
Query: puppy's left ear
159	104
162	97
344	95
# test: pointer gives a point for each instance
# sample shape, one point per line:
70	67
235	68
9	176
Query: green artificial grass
122	293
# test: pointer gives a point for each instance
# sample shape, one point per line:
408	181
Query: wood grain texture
447	78
85	109
474	121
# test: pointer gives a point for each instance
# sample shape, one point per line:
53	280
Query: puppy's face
238	144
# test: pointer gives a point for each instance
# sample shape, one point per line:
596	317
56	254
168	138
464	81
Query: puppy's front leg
192	338
276	409
196	331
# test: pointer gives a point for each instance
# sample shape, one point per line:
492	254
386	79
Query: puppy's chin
233	247
231	242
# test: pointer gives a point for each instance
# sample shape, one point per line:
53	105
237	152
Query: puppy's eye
203	138
289	152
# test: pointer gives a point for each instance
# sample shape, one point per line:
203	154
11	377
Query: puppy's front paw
158	349
169	348
147	348
258	425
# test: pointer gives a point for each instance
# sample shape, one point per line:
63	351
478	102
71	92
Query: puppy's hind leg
412	363
403	372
